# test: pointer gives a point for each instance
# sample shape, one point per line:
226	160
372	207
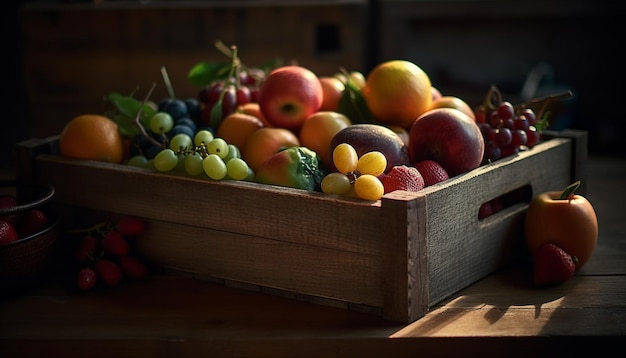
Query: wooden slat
403	254
405	282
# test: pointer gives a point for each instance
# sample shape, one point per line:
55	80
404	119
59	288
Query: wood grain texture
400	255
500	315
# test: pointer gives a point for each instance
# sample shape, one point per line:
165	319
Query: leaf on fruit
203	74
127	109
567	192
216	114
352	104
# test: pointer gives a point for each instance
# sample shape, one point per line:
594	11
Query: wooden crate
395	257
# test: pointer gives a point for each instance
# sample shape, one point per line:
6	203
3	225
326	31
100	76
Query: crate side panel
277	213
405	260
305	269
461	248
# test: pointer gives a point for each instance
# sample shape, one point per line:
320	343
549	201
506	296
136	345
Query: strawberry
7	202
431	171
7	233
130	226
33	221
402	177
108	272
133	267
114	243
86	279
552	265
87	248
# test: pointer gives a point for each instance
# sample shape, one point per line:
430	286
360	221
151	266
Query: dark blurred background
63	57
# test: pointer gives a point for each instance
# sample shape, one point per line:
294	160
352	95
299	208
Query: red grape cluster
506	129
241	89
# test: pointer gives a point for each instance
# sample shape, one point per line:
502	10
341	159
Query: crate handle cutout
521	195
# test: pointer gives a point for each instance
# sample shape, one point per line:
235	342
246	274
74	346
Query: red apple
449	137
564	219
289	95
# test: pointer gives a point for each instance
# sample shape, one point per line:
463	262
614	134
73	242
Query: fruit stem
168	83
544	101
97	227
493	98
230	52
216	112
569	191
138	122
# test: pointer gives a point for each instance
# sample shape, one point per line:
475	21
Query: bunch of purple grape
506	130
233	93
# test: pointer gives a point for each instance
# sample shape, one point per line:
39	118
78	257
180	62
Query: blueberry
181	128
152	151
175	107
193	108
187	122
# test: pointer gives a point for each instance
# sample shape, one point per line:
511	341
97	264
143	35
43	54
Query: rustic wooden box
395	257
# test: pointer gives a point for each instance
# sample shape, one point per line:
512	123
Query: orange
264	142
253	108
319	129
237	127
333	90
92	137
397	92
453	102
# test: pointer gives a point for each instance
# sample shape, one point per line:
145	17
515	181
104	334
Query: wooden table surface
501	315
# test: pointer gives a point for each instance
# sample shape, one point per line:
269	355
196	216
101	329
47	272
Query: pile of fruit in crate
242	117
346	134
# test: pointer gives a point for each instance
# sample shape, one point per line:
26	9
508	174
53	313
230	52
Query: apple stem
569	190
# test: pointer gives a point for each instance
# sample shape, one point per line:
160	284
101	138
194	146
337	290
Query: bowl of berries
29	231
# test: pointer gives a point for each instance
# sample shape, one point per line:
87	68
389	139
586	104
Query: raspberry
114	243
109	272
431	171
33	221
402	177
131	226
552	265
7	233
133	267
86	279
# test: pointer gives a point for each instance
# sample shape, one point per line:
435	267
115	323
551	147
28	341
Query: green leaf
203	74
352	104
127	109
565	194
216	115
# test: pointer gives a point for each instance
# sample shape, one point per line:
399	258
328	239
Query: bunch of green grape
356	176
202	154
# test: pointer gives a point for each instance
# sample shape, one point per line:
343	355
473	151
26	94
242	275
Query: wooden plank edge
405	286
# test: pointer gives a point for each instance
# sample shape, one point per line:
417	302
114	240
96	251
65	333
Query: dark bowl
27	261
